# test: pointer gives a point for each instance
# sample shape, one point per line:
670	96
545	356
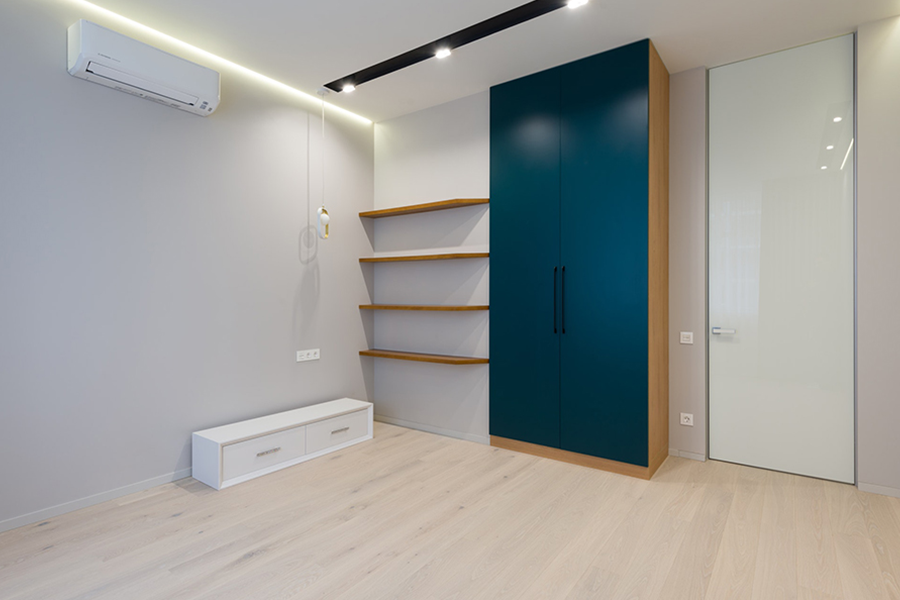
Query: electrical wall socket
687	337
305	355
687	419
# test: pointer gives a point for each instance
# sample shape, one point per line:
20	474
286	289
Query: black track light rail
510	18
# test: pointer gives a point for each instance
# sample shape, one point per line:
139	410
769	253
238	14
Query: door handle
563	300
720	331
555	308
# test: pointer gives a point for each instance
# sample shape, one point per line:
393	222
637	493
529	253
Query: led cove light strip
209	55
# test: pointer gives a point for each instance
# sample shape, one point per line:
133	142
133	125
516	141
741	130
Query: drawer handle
268	452
341	430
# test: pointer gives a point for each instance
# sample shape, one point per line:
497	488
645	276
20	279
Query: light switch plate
687	337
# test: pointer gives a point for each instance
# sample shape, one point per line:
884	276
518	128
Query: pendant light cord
323	150
308	181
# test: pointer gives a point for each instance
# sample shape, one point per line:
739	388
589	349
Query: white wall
152	278
436	154
878	252
687	261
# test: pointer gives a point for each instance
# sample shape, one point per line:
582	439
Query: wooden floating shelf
429	358
423	208
415	257
435	307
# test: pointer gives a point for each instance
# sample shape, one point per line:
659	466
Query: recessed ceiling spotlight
576	3
838	119
442	53
829	147
348	88
823	168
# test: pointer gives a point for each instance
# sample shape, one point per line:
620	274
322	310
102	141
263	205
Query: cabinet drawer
337	430
262	452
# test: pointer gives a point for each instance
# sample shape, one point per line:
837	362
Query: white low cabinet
224	456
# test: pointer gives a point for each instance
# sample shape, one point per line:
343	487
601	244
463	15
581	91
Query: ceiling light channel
441	47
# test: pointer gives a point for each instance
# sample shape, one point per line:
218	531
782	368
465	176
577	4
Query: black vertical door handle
563	299
555	271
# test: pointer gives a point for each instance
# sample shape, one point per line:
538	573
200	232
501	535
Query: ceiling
306	44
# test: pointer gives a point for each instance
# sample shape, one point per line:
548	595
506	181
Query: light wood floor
414	515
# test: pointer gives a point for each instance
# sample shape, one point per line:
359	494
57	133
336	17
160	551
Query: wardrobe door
524	273
604	220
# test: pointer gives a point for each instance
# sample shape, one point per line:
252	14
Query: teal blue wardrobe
579	262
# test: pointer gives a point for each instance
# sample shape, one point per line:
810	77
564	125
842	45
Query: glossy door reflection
781	261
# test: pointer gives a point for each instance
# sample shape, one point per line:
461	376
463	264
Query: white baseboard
59	509
469	437
878	489
686	454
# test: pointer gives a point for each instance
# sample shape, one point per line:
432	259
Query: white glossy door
781	261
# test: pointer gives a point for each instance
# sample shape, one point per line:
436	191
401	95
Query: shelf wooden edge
441	359
420	307
418	257
423	208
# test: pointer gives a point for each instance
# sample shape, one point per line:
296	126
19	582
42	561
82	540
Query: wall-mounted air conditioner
103	56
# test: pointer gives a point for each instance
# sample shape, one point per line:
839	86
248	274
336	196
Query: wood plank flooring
418	516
